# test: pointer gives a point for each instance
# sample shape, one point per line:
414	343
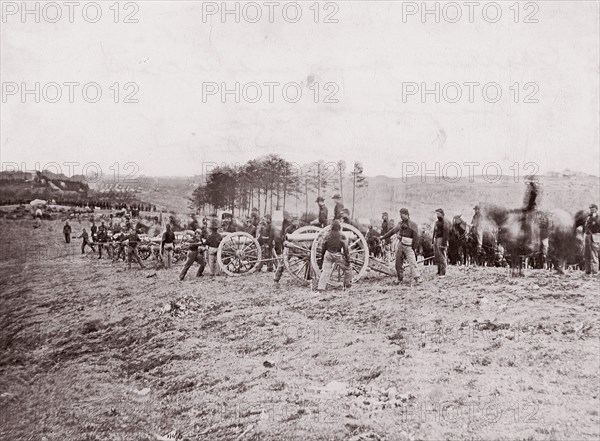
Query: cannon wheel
238	254
357	248
297	257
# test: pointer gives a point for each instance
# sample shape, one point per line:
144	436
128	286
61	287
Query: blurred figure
86	241
195	254
591	241
289	230
337	210
67	232
476	227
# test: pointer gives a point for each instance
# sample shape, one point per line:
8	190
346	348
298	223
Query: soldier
373	242
321	221
86	242
195	254
289	230
266	239
334	251
441	234
67	232
408	235
591	241
93	230
168	244
385	227
255	216
345	216
250	228
102	241
132	249
337	210
212	241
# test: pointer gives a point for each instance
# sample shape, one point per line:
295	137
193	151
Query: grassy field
91	351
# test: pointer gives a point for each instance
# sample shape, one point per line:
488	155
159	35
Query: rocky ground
91	351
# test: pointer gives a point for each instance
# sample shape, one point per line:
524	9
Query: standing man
250	227
132	249
168	244
67	232
94	231
385	226
255	216
321	221
86	241
441	234
195	254
408	235
266	239
289	230
337	210
591	241
335	251
212	242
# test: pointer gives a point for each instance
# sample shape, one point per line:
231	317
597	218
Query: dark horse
538	237
459	251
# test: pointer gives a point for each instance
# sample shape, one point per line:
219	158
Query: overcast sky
368	55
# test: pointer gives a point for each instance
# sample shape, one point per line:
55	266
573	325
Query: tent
38	203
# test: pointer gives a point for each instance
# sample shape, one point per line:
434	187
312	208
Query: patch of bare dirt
92	352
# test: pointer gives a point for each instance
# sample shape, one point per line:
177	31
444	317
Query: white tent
38	203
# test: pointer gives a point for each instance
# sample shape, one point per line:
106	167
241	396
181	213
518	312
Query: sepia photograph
308	220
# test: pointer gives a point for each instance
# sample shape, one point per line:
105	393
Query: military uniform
408	235
441	235
334	252
591	243
195	254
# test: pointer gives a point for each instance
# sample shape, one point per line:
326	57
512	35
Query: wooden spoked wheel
296	253
357	248
238	254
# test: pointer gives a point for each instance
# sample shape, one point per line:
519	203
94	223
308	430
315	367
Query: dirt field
91	351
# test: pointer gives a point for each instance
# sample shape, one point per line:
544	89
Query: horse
536	237
458	244
425	248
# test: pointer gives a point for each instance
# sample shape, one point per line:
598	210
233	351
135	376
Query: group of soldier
205	242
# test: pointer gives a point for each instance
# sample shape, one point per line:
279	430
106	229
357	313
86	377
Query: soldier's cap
594	206
320	199
336	196
476	207
439	210
384	213
404	211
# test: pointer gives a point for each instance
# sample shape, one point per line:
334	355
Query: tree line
272	183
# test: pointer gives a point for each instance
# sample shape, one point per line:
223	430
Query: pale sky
368	54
